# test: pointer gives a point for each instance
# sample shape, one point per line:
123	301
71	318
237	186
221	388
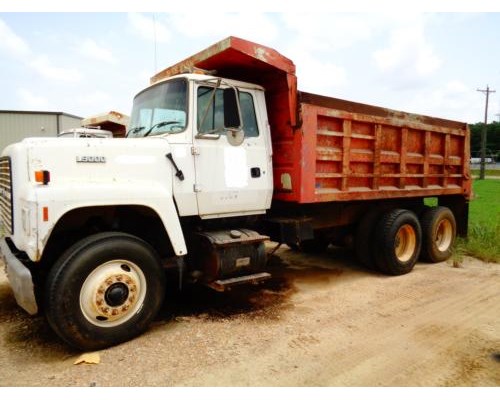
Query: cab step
226	284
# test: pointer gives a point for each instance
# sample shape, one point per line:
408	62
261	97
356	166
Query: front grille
6	196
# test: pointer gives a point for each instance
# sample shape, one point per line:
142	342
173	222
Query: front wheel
104	290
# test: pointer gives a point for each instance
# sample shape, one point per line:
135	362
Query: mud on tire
104	290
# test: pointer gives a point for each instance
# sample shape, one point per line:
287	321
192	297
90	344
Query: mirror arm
212	97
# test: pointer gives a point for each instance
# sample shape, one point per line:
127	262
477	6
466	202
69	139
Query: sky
92	62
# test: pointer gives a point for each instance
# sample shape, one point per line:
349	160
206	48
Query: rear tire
438	234
364	238
104	290
397	242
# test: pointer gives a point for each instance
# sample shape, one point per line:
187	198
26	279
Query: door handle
255	172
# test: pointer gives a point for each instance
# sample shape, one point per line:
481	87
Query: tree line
492	140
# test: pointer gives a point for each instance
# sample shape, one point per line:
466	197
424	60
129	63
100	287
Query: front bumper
20	279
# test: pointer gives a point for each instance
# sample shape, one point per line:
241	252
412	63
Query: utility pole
485	127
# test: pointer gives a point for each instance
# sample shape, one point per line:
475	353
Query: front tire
104	290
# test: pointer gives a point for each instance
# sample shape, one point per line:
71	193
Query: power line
485	128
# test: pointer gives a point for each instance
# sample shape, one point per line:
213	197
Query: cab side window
211	111
248	115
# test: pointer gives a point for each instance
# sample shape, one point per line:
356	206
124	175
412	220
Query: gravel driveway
321	321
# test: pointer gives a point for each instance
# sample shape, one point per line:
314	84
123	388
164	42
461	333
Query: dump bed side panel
339	154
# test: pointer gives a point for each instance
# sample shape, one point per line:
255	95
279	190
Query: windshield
159	109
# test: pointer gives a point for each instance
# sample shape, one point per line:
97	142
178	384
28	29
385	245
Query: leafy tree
492	139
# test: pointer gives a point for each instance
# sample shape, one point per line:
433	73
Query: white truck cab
226	165
197	148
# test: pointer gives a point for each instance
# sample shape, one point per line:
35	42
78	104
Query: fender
129	172
72	197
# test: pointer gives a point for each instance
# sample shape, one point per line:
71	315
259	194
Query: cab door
233	166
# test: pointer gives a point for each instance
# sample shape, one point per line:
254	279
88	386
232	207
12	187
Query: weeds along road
321	321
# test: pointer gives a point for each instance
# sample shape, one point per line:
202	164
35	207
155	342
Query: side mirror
232	118
235	137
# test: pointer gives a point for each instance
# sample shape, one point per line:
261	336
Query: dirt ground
321	321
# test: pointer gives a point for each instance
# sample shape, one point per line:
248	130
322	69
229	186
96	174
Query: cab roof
245	61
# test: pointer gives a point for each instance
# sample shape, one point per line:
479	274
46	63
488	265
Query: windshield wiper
135	130
160	124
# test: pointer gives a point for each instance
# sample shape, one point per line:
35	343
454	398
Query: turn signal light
42	177
45	214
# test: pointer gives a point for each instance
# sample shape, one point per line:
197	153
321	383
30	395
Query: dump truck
223	153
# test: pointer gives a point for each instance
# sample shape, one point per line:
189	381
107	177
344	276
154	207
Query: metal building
17	125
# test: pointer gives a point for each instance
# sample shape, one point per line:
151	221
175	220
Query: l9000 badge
90	159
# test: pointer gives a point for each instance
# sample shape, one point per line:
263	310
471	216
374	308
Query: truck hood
95	160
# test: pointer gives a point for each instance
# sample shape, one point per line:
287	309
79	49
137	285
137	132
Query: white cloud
144	77
43	65
91	49
97	96
453	100
409	56
31	101
331	31
11	42
149	28
317	44
95	102
252	26
316	75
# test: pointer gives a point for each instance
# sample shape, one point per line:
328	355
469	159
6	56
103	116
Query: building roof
39	112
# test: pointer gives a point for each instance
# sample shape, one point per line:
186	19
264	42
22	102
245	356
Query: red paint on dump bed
327	149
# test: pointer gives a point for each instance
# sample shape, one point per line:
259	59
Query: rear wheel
438	234
397	242
104	290
364	238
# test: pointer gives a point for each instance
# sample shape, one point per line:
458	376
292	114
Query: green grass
483	241
487	172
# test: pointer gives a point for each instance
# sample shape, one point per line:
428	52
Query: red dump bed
327	149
